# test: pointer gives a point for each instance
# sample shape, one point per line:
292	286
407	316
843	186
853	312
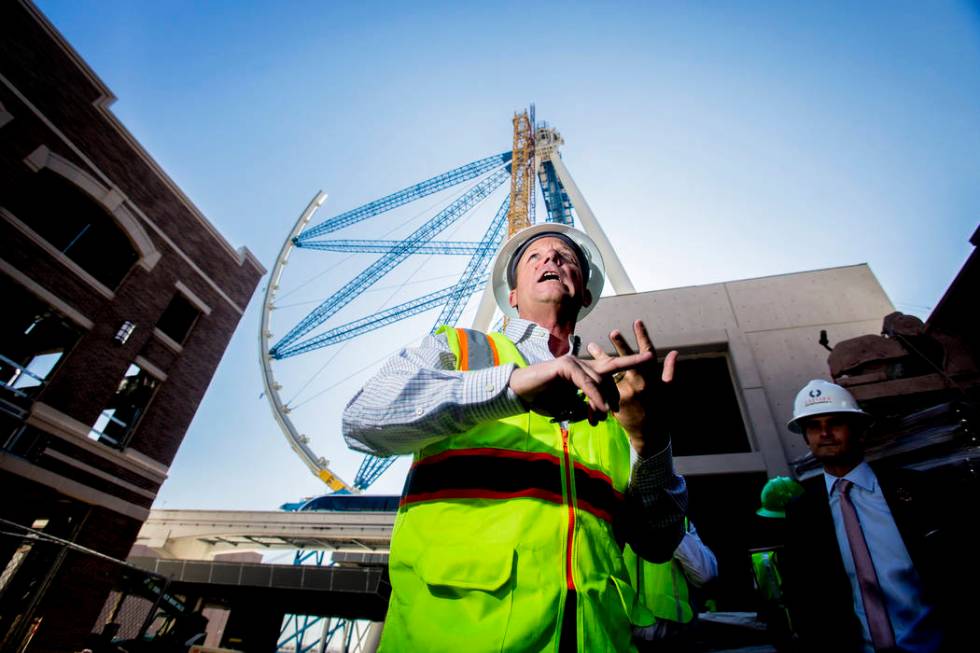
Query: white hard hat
593	268
820	397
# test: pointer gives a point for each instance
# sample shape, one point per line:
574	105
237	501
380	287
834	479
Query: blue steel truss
372	467
477	267
556	200
406	195
295	630
453	298
296	627
387	262
383	318
444	247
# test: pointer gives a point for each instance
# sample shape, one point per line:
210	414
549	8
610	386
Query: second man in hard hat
521	492
871	555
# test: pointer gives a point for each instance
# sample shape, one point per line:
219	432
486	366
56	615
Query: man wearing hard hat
666	589
862	544
766	554
520	497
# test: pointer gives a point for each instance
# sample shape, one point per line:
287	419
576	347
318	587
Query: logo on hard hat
815	393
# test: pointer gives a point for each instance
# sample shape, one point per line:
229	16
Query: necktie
882	635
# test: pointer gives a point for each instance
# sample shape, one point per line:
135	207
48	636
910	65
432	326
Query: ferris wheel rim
280	411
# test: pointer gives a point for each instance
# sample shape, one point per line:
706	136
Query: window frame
153	372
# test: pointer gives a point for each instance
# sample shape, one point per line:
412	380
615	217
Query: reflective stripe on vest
487	473
767	576
477	350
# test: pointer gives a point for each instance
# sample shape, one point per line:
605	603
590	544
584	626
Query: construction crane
534	155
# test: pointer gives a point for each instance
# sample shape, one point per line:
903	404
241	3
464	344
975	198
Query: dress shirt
699	565
912	619
418	397
698	561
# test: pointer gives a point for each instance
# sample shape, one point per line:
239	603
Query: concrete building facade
119	301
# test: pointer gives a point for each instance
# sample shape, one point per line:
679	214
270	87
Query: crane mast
522	174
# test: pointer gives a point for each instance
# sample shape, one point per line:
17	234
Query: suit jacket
935	515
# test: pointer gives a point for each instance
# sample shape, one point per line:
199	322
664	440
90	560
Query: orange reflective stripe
493	348
464	350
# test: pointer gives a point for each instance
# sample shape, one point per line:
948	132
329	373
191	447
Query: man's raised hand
552	388
643	404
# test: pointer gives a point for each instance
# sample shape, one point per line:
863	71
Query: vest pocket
473	567
465	596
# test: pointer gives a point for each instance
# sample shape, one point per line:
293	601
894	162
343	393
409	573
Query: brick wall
56	102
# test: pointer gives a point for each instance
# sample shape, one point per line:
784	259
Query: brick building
119	298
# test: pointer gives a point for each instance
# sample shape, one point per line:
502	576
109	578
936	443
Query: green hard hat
776	494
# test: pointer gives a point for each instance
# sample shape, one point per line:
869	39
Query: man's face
832	438
548	272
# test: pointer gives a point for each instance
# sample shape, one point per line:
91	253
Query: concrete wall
769	328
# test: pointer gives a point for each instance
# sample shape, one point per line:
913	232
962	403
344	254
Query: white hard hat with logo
820	397
502	269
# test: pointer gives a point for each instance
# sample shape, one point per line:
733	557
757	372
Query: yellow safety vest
661	587
498	523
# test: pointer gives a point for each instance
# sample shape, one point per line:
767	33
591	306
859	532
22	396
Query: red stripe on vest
487	451
480	494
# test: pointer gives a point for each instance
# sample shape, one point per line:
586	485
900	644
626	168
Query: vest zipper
571	510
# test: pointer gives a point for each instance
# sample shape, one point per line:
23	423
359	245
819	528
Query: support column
615	271
484	313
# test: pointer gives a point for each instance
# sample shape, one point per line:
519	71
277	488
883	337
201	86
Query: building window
120	417
35	339
179	318
74	223
707	416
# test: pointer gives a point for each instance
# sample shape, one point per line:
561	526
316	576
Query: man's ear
806	440
512	298
586	298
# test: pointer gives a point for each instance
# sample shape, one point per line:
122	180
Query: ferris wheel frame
280	411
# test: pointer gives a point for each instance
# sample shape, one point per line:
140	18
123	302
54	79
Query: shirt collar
518	330
862	476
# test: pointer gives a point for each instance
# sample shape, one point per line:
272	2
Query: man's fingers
643	339
619	342
586	369
595	416
668	373
590	388
611	365
597	352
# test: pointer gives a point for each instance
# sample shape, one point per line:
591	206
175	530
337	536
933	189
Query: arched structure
110	198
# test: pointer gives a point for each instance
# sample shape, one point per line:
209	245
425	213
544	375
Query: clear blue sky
715	141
